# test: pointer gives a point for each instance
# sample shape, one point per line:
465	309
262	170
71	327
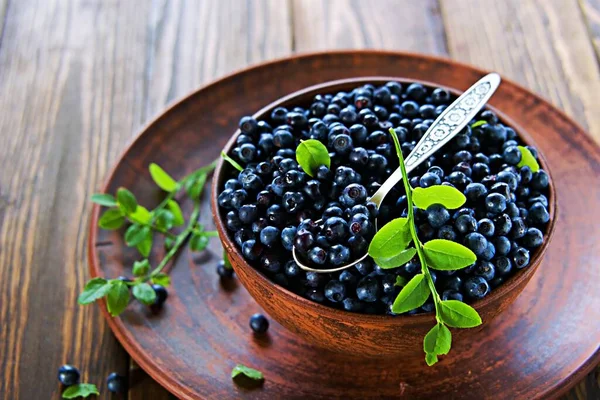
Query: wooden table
78	78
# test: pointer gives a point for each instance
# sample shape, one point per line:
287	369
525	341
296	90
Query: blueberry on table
116	383
223	271
161	295
68	375
476	287
259	323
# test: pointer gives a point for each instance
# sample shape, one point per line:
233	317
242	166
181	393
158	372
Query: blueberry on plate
259	323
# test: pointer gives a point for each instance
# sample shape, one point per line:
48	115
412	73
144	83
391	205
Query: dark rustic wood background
78	78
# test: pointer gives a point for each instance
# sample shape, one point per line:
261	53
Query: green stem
152	226
413	229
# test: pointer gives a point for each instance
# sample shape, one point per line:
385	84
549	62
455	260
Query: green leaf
246	371
446	255
111	219
141	215
391	239
448	196
396	261
162	179
195	189
528	159
226	260
117	297
176	211
431	359
127	201
198	242
438	340
169	243
161	279
104	199
80	390
141	268
164	219
145	246
95	289
144	293
311	154
478	124
231	161
400	281
136	234
458	314
413	295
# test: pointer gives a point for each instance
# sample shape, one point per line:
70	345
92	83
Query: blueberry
416	91
342	144
447	232
466	224
474	191
367	289
521	258
358	246
476	287
347	277
512	211
486	227
68	375
225	197
339	255
476	242
287	237
335	291
429	179
459	179
248	125
251	250
345	176
538	199
332	212
264	198
485	269
269	236
364	267
251	183
479	170
502	245
248	213
533	238
315	295
161	295
426	231
292	269
303	240
257	226
518	229
294	178
336	229
223	271
509	178
494	133
502	225
360	225
502	265
454	282
537	214
512	155
116	383
353	194
495	203
293	201
317	255
452	295
437	215
351	304
275	215
540	180
259	323
247	153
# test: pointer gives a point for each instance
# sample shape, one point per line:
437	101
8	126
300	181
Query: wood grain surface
79	77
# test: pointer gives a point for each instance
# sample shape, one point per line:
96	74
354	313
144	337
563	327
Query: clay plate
545	342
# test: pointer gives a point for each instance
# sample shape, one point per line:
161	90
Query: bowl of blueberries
265	206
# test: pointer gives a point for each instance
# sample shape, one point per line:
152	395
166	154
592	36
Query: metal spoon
444	128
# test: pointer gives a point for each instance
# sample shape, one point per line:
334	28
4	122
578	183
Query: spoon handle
444	128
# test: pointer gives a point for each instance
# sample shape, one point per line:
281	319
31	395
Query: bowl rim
336	85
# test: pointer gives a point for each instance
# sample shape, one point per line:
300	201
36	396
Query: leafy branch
389	248
144	224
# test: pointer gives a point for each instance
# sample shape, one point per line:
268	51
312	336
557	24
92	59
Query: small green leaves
144	293
145	245
391	239
194	189
141	215
136	234
104	199
438	341
173	206
198	242
164	219
141	268
400	281
446	255
111	219
458	314
80	390
528	159
117	297
162	179
161	279
448	196
311	154
396	261
247	372
231	161
95	289
413	295
430	359
126	200
478	124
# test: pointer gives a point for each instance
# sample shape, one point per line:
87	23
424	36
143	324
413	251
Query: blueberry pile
273	204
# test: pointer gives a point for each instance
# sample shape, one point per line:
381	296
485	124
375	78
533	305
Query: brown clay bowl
362	334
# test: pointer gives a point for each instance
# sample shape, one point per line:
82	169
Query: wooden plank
542	44
591	12
71	75
389	24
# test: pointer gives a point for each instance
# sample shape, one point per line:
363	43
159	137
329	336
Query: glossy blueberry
367	289
251	250
476	242
116	383
161	295
518	229
335	291
248	213
358	246
486	227
540	180
495	203
521	258
269	236
459	179
259	323
232	221
317	255
336	229
68	375
538	214
511	155
452	295
465	224
303	241
476	287
352	304
353	194
339	255
248	125
429	179
502	245
347	277
509	178
275	215
489	252
479	170
512	210
533	238
223	271
437	215
416	91
360	225
364	267
485	269
453	282
293	201
447	232
502	225
474	191
258	226
287	237
502	265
